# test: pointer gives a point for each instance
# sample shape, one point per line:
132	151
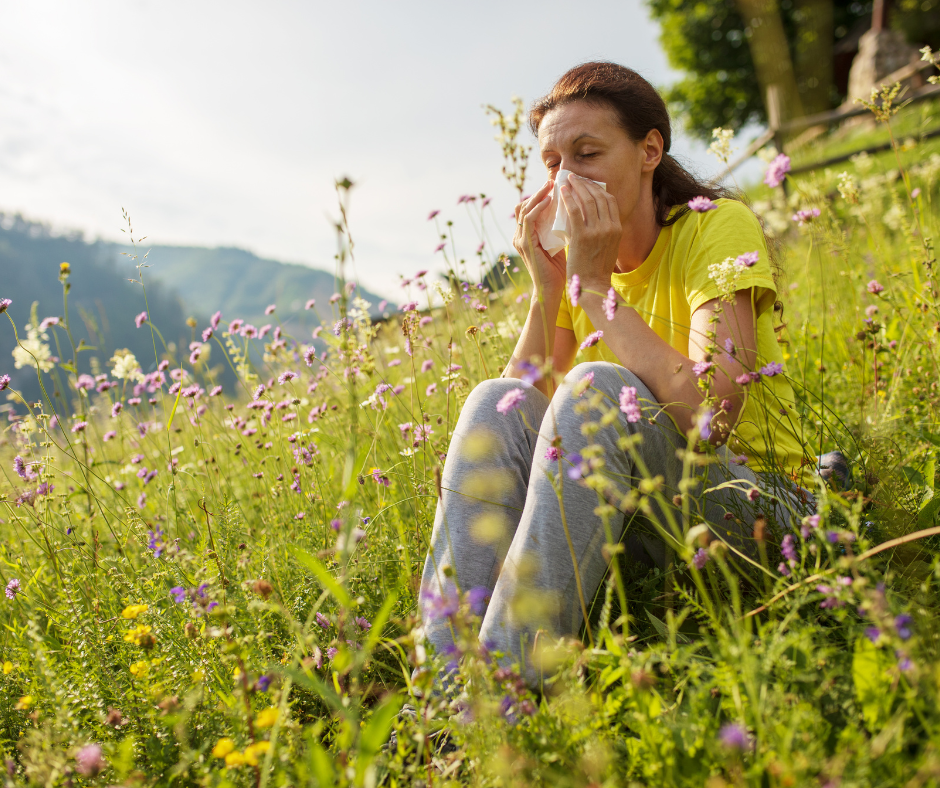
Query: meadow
221	589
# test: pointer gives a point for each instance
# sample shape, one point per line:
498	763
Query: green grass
185	624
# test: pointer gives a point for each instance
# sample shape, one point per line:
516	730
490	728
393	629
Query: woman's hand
595	232
547	272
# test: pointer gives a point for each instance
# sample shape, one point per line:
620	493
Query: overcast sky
225	123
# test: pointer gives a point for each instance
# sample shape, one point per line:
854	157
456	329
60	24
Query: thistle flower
701	204
777	170
772	368
554	453
592	339
12	589
610	304
4	304
511	400
702	368
286	376
4	382
629	404
574	289
747	259
140	319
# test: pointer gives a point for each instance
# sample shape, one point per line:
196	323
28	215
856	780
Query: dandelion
746	260
592	339
574	289
874	287
511	400
700	558
772	368
140	319
12	589
629	404
701	204
610	304
777	170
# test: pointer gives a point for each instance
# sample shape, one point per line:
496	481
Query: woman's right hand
547	272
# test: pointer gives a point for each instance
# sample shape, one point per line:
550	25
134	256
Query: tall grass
205	589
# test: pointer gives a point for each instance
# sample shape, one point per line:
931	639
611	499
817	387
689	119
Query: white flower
721	147
446	294
725	274
847	187
32	351
126	366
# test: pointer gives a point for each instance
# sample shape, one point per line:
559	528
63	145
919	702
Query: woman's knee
607	377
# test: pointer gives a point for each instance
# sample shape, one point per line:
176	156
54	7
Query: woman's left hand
595	232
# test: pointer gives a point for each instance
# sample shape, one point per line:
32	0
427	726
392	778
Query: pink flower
426	320
511	400
746	378
874	287
554	453
701	204
426	365
4	303
411	306
592	339
432	215
610	304
439	247
753	494
747	259
777	170
629	404
48	321
269	309
4	382
702	367
574	289
584	384
80	426
140	319
89	760
805	216
110	434
772	368
430	390
311	303
115	409
214	322
700	558
915	193
286	376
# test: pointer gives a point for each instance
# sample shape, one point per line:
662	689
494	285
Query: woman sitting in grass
665	297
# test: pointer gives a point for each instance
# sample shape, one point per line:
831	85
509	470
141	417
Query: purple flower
592	339
629	404
116	408
430	390
214	322
336	524
747	260
157	543
511	400
263	683
700	558
19	466
574	472
89	760
4	382
702	367
530	372
585	383
872	633
427	364
733	736
753	494
258	392
439	607
269	309
330	653
777	170
432	215
286	376
478	597
140	319
788	548
771	369
783	569
323	621
903	625
411	306
554	453
179	594
874	287
363	624
705	424
439	247
701	204
80	426
574	289
4	303
206	334
610	304
805	216
109	435
12	589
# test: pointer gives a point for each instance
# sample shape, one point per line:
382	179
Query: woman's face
588	139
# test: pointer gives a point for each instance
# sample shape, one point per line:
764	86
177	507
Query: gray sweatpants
510	523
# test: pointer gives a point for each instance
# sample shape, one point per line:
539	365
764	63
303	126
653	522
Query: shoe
834	465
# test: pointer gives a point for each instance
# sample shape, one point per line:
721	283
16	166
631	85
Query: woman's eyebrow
573	142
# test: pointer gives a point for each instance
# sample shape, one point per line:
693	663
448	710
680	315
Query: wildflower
610	304
266	717
286	376
48	321
132	611
511	400
574	472
702	368
848	188
721	147
4	304
430	390
12	589
753	494
592	339
4	382
783	569
89	761
915	193
438	607
263	683
258	391
771	369
331	653
80	426
788	548
701	204
584	384
223	747
7	668
574	289
125	367
733	736
323	621
704	424
140	319
777	170
874	287
140	636
747	260
179	594
157	543
902	624
427	364
24	703
629	404
235	325
745	378
700	558
116	408
805	216
363	624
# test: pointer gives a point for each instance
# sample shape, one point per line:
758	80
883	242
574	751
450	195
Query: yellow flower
253	751
7	668
139	668
24	703
223	747
237	672
139	635
235	759
266	717
132	611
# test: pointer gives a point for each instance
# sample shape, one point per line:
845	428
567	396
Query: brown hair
639	108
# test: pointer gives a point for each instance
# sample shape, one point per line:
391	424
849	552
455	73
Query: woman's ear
652	149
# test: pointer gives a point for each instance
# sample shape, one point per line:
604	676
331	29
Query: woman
516	525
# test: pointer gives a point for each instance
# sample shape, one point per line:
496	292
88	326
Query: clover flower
592	339
511	400
701	204
12	589
574	289
554	453
777	170
610	304
874	287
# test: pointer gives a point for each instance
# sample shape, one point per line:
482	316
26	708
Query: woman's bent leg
483	491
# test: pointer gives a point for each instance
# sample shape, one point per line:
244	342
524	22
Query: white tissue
552	226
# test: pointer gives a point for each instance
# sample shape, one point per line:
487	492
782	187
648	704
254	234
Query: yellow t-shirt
673	282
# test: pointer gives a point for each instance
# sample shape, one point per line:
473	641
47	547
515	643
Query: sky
227	123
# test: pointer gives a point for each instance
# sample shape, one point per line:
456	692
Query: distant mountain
241	284
102	303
